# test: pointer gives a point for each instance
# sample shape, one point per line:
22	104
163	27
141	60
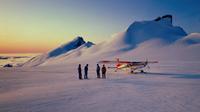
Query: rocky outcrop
169	17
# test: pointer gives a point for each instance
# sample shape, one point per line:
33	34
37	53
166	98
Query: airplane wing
126	62
105	61
113	62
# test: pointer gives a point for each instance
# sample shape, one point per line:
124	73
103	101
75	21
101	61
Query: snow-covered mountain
77	42
73	47
79	52
144	39
140	31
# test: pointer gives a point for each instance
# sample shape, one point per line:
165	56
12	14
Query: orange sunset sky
37	26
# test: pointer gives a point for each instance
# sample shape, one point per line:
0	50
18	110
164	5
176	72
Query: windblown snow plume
191	39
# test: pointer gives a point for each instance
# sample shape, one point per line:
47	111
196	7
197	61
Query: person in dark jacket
79	72
98	71
103	70
86	72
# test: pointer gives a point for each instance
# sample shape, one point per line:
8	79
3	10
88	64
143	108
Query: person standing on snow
98	71
86	72
103	70
79	72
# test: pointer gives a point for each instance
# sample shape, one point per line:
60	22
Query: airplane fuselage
133	66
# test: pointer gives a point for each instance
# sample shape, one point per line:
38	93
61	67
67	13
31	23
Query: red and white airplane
124	65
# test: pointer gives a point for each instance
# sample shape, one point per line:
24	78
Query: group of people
98	69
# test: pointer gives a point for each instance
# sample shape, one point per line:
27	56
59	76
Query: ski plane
132	65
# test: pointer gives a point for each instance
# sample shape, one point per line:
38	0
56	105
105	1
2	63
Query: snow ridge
77	42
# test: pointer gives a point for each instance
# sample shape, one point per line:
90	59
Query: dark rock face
163	17
8	65
167	16
158	19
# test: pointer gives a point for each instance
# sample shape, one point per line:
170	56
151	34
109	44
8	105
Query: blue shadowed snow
77	42
189	76
139	32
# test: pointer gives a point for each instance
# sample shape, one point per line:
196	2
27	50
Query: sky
37	26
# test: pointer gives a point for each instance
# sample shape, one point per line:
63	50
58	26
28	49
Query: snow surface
57	89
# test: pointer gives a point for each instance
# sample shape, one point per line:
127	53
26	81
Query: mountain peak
160	28
78	38
75	43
